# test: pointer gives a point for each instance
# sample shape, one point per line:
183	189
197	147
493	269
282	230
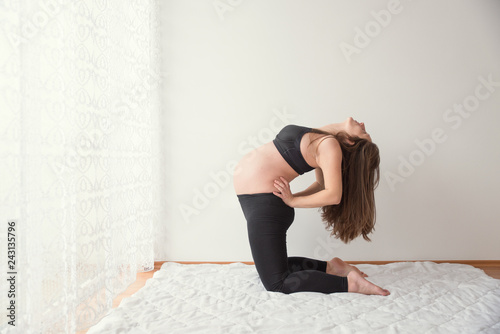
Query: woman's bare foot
356	283
338	267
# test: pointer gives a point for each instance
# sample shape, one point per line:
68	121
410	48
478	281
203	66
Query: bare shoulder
328	150
328	145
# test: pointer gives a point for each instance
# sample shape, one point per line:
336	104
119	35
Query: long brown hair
355	214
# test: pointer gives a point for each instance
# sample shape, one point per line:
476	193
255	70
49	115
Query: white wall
237	74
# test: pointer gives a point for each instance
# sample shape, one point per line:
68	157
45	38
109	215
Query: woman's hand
283	191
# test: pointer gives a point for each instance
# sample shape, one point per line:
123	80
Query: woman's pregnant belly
257	170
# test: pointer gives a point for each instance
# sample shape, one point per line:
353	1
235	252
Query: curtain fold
80	156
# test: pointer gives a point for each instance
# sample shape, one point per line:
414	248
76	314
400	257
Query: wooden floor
491	268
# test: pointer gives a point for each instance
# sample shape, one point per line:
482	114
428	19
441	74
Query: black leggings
268	219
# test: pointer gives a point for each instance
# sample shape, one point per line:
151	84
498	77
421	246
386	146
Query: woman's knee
272	286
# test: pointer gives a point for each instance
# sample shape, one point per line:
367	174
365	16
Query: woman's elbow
334	199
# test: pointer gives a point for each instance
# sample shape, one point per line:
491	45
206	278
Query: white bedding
425	298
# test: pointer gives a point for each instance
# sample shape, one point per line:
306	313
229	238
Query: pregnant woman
346	163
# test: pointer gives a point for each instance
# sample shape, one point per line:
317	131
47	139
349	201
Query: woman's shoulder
328	145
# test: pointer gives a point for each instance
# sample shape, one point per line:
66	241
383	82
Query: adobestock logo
373	28
327	247
454	117
223	6
133	97
31	26
220	179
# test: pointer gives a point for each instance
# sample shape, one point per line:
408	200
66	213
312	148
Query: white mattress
425	298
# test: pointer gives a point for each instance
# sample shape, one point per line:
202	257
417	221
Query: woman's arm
329	159
315	187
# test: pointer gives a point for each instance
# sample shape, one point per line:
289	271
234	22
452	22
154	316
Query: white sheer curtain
79	156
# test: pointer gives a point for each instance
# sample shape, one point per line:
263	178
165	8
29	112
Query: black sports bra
287	142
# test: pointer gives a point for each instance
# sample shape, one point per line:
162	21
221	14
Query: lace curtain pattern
79	152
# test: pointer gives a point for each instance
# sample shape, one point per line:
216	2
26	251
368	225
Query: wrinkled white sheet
425	298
